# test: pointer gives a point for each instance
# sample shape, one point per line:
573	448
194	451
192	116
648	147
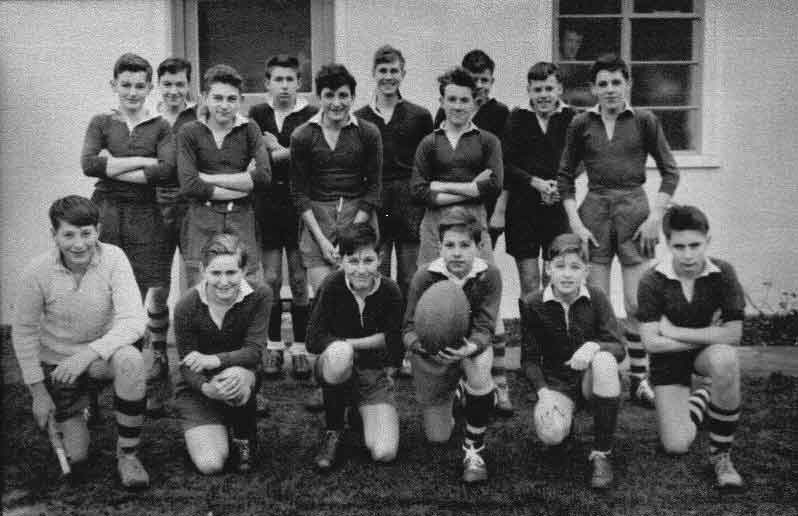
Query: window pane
576	85
590	6
244	33
652	6
680	127
598	36
662	85
662	40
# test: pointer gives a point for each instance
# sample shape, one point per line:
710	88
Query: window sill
689	160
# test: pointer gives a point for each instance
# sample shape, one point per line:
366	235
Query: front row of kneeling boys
79	318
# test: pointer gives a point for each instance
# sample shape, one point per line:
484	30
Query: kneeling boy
436	376
78	315
571	344
691	309
355	326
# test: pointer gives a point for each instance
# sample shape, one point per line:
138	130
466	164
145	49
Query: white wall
57	59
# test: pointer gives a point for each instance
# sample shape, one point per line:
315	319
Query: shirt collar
243	291
665	267
597	109
189	105
300	104
148	115
58	260
548	294
373	102
560	106
316	119
470	127
203	115
373	290
439	266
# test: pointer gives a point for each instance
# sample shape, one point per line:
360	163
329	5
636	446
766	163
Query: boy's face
612	89
389	76
77	244
689	251
223	102
484	80
361	268
174	88
335	104
458	251
132	89
458	104
544	95
223	276
567	272
282	84
571	43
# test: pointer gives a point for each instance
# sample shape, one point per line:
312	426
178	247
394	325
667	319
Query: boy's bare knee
382	452
209	463
604	364
674	446
724	363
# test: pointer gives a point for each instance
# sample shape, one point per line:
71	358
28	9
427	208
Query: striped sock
722	425
474	436
638	359
129	421
698	402
158	328
498	368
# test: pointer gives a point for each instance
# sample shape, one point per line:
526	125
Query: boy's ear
113	83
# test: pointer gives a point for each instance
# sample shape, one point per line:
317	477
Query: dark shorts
139	230
531	229
277	219
672	368
571	387
433	381
204	220
70	399
399	216
613	216
173	211
195	410
367	387
332	217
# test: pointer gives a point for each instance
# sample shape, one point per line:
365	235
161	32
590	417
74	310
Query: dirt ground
525	477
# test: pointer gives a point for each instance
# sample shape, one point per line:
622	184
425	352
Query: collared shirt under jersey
620	162
58	316
150	138
198	151
400	136
437	160
340	314
352	170
716	291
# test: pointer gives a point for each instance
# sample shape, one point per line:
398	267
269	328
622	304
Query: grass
526	479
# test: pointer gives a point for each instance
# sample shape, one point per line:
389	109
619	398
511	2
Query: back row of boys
378	166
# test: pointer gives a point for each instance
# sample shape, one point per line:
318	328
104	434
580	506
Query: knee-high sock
243	419
275	322
300	314
158	327
498	368
335	402
697	403
477	415
638	359
129	421
722	425
605	417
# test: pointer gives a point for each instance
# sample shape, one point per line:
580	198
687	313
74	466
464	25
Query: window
245	33
662	42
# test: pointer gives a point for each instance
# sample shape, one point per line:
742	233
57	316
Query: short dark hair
283	61
224	74
458	76
74	209
132	63
356	236
684	218
388	54
567	243
541	71
478	61
610	63
334	76
459	218
222	244
175	65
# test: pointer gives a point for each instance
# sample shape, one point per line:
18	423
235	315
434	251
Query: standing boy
533	144
613	141
355	328
214	152
460	164
402	125
691	310
78	317
436	376
130	151
276	215
571	344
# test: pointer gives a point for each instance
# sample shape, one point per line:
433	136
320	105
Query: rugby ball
553	416
442	317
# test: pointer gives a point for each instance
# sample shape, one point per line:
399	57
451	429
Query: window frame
704	53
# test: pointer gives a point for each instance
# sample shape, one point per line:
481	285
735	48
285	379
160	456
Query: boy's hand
582	357
450	355
484	175
42	407
71	368
666	327
329	251
228	385
360	217
648	234
198	362
105	153
211	390
271	141
585	234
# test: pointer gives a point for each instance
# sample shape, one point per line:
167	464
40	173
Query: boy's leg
640	388
601	384
720	363
528	275
504	405
158	384
300	305
406	266
480	400
241	416
434	385
273	276
333	371
381	430
208	447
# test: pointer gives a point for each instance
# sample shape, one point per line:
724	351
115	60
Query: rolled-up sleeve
164	172
93	142
492	151
301	158
420	179
569	162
